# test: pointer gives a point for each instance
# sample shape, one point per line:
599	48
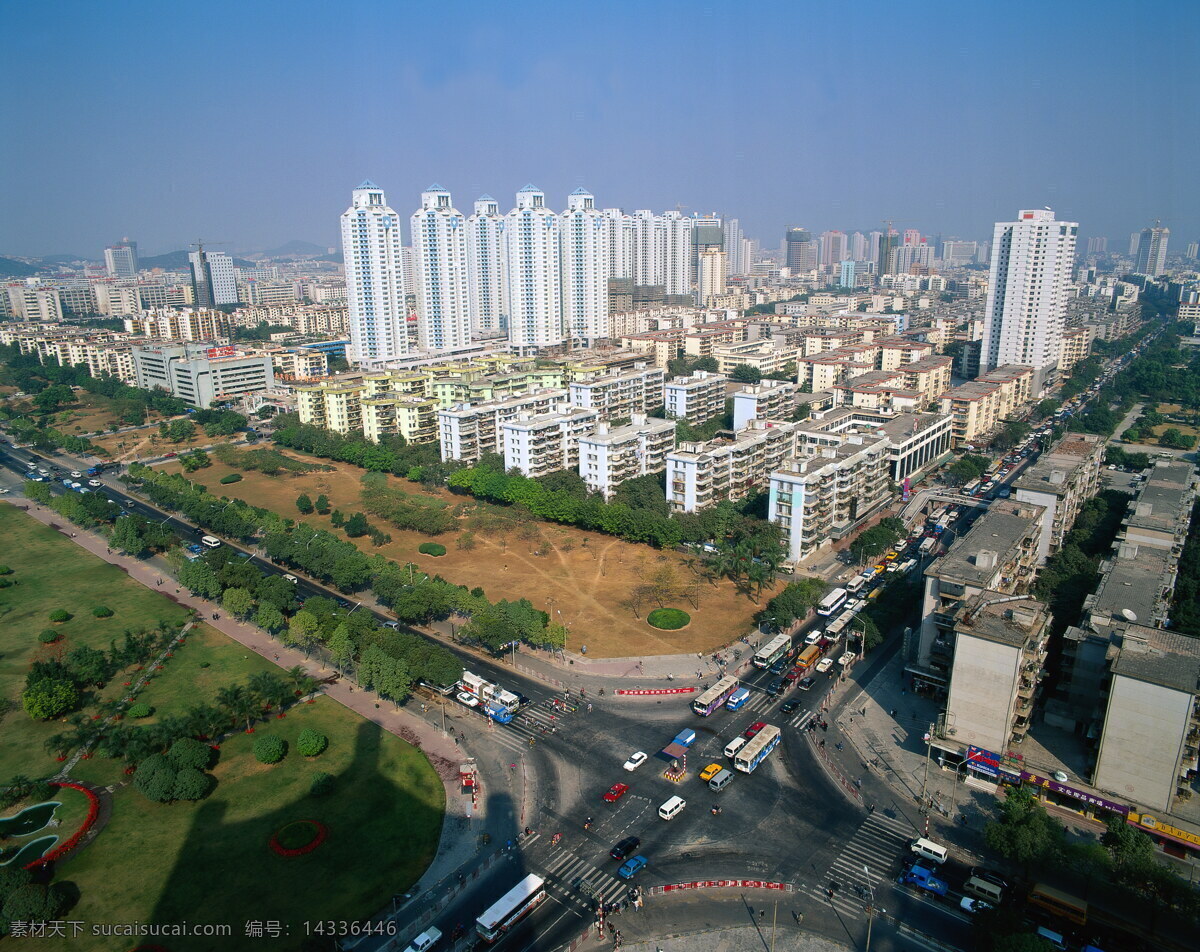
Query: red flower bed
64	848
320	831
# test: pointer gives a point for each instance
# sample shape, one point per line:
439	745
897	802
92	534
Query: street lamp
870	906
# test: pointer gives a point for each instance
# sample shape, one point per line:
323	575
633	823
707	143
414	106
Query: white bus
514	904
773	650
715	696
856	583
836	627
832	602
210	542
757	750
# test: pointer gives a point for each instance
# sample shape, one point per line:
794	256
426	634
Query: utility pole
928	746
870	906
774	920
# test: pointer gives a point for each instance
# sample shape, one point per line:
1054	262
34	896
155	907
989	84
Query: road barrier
722	884
643	691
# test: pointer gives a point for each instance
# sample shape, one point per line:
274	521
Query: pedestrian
892	713
762	914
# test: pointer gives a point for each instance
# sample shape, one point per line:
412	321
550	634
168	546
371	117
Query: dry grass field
585	579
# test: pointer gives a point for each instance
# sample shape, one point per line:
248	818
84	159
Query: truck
685	738
927	546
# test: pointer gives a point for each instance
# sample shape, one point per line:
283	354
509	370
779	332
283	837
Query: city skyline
602	115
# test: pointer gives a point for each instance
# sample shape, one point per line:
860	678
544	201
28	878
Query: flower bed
68	845
299	837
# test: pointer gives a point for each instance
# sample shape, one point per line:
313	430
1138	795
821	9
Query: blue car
631	867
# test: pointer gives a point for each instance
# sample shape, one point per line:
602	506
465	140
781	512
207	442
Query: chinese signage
1148	822
215	352
983	761
1060	788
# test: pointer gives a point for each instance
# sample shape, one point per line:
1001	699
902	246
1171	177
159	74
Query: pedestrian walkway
870	857
577	881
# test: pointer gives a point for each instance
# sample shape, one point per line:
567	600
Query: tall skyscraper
1152	250
833	247
121	259
649	248
1193	250
1097	246
485	267
532	270
371	248
885	259
439	242
1032	260
711	278
912	236
858	247
846	275
735	248
801	251
213	280
618	231
708	232
1135	239
584	250
679	247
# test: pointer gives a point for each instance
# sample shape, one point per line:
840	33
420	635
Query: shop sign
1148	822
1081	795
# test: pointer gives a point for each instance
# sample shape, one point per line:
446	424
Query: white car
292	579
635	761
824	664
95	483
77	475
3	492
470	700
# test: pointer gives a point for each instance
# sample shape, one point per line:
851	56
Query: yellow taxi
891	556
709	772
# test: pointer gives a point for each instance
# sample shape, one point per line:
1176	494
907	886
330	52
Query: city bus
757	749
1060	904
500	705
517	902
838	625
773	650
971	488
715	696
808	657
832	602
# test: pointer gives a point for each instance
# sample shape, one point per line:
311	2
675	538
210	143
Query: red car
615	792
792	675
754	729
169	455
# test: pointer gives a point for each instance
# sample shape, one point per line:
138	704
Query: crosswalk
874	850
535	721
577	881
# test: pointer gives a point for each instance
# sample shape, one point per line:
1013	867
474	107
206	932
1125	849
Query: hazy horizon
251	125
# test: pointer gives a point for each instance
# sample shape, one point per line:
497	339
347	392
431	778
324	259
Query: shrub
190	784
50	697
36	903
322	785
155	778
5	570
187	752
102	611
311	742
59	615
668	619
304	503
141	709
269	749
49	635
5	583
431	548
231	478
41	790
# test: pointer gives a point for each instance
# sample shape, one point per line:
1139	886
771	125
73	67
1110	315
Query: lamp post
928	746
870	906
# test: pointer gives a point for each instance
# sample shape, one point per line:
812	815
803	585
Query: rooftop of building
932	362
502	403
639	426
1131	581
989	544
1167	494
548	418
994	617
727	441
1159	657
1054	470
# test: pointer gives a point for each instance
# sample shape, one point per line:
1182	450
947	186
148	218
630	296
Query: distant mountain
12	268
293	249
64	259
178	261
336	256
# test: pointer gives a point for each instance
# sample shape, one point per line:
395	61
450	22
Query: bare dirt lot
584	579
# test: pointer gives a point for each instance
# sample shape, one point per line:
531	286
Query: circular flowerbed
431	548
668	619
299	837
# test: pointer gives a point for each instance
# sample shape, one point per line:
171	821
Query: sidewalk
443	751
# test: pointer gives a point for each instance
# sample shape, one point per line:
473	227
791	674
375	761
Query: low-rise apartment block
548	442
610	455
201	375
696	398
399	414
188	324
466	431
980	406
766	356
1076	345
618	396
335	404
768	400
1064	478
700	475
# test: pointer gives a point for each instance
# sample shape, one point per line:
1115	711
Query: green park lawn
210	860
51	572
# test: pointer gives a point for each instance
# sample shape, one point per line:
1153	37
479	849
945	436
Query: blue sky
250	122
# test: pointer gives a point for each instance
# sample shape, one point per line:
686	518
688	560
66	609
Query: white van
983	889
720	780
734	746
927	849
856	583
672	808
211	542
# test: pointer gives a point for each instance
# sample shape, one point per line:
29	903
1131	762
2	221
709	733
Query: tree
238	601
189	752
311	743
744	373
304	504
50	697
179	430
341	647
237	703
155	778
796	600
269	749
126	537
1131	849
190	784
196	459
199	578
1025	833
357	525
322	505
35	902
89	666
303	630
269	618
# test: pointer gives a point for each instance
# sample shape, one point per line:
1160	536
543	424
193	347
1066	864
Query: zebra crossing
867	862
534	722
578	881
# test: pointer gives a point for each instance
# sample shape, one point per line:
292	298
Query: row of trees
392	454
1185	608
875	541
